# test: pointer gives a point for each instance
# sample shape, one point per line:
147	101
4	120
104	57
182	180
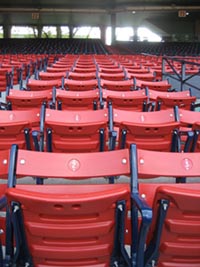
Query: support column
113	27
135	36
103	34
39	28
59	32
6	31
71	32
7	26
197	30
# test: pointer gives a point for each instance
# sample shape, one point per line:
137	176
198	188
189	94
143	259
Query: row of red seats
169	200
94	224
92	130
55	95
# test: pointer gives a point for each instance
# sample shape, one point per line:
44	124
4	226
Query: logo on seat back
74	165
187	164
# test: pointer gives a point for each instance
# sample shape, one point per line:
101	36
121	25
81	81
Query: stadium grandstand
99	133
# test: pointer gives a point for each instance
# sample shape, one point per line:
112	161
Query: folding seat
112	76
62	65
76	100
58	69
141	70
154	94
69	224
127	100
124	85
73	130
45	76
183	100
83	69
22	99
171	237
6	78
80	85
16	127
131	65
157	130
160	86
110	70
107	63
142	76
81	76
17	71
38	85
190	122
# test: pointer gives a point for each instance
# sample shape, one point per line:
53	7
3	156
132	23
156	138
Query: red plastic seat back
131	100
160	86
112	76
124	85
69	224
12	126
80	85
149	130
82	76
76	130
73	100
182	102
38	85
28	99
51	75
180	238
142	76
154	94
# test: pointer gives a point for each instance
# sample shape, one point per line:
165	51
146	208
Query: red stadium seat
183	100
16	127
77	100
80	85
37	85
58	69
124	85
112	76
142	76
137	70
172	237
21	99
110	70
46	76
154	94
127	100
69	225
84	69
74	131
161	86
81	76
149	130
6	78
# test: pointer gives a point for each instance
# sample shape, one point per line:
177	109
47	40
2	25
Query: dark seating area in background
95	46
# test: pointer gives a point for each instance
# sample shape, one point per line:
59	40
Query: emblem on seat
187	164
74	165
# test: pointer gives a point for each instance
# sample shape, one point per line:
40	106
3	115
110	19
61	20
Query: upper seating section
95	46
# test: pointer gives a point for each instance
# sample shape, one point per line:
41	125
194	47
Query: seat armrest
140	234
